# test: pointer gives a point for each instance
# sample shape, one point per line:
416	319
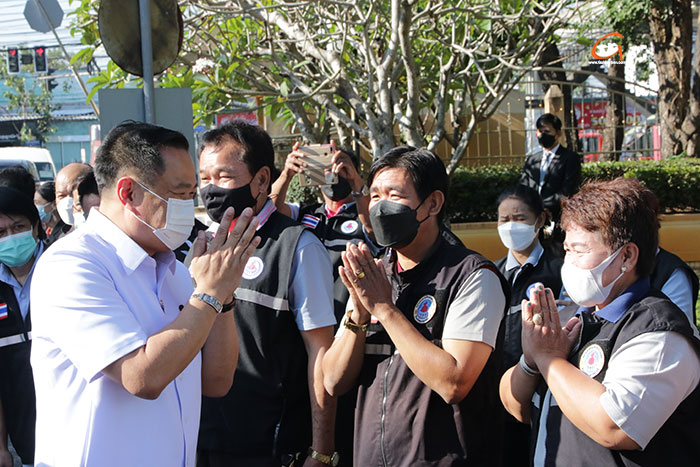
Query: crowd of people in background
358	330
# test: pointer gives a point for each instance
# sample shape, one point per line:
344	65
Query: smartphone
319	160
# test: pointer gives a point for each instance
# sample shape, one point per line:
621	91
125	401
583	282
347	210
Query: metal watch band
331	459
363	192
353	326
209	300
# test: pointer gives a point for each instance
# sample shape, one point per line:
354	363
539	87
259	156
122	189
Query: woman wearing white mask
618	384
20	248
521	216
45	202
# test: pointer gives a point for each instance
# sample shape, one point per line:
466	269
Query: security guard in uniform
19	250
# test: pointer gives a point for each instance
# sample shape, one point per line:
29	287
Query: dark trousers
18	400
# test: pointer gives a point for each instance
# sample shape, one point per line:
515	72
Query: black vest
676	443
665	264
267	410
399	420
547	271
335	232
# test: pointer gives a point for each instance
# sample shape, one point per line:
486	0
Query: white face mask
179	220
65	210
585	286
516	235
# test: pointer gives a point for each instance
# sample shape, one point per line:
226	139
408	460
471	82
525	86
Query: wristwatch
363	192
209	300
331	460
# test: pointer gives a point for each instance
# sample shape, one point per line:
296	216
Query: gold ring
537	319
360	275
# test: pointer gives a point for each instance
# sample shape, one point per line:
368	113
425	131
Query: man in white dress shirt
124	344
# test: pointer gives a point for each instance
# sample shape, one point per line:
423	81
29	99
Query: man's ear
262	179
125	190
435	201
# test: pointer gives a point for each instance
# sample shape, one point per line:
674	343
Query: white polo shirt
96	296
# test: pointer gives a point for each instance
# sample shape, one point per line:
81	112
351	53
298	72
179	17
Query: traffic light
40	65
13	61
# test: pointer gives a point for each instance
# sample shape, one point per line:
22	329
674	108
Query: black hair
47	190
550	119
425	169
14	202
258	152
19	178
134	146
523	193
86	185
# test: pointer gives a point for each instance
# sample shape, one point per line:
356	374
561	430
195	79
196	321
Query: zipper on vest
386	379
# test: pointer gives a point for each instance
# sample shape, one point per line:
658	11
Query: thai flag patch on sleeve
310	221
3	310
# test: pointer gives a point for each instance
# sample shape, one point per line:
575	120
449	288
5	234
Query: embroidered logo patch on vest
425	309
592	360
3	310
253	268
349	227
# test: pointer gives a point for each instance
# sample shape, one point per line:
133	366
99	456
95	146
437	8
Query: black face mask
217	200
337	191
546	140
394	224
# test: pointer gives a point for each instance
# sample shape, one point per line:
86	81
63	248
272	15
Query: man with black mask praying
556	171
423	334
277	409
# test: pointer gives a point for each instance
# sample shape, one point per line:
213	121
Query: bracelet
353	326
527	369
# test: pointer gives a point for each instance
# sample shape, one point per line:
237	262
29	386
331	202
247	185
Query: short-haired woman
617	385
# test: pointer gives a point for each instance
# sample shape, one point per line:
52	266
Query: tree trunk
691	124
552	58
614	131
671	27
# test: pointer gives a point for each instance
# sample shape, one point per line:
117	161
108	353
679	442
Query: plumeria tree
383	72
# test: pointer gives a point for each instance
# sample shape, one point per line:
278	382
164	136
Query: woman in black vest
521	216
618	384
20	248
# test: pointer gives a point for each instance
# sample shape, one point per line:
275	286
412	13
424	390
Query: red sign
592	115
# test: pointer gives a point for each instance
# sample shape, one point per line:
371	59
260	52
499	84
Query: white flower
202	65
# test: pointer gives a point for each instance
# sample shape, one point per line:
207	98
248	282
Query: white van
41	158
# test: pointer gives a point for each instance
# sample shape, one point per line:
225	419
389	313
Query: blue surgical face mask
43	215
17	249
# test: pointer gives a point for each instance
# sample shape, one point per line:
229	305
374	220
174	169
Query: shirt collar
552	151
533	259
618	307
130	254
265	213
342	208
